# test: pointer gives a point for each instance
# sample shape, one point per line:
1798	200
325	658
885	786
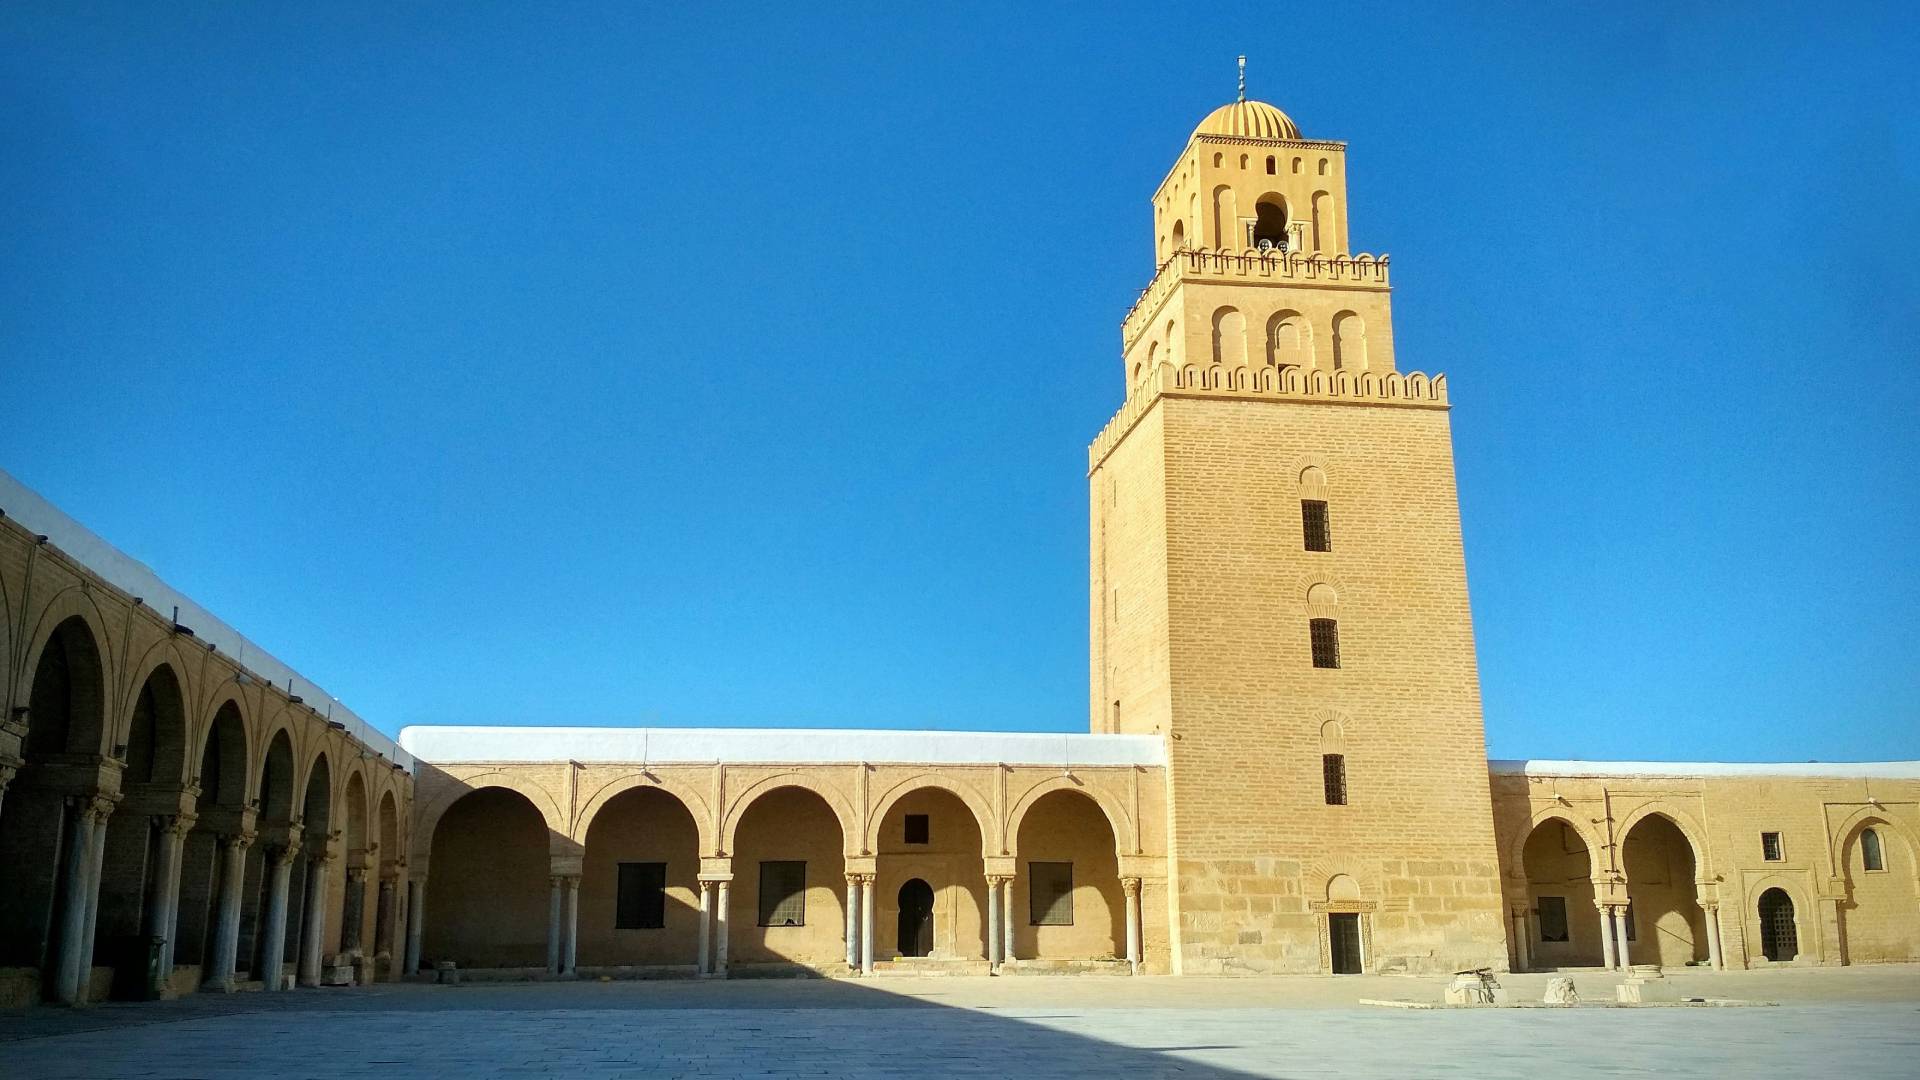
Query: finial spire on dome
1243	78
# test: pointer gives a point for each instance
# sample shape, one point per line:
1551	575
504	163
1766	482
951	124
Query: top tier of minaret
1251	202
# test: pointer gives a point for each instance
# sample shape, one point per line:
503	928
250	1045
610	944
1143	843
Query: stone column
1714	958
164	915
1522	939
87	936
866	924
706	917
1620	924
570	952
226	938
313	918
77	868
1606	933
1132	888
722	906
993	921
554	903
383	899
416	922
353	909
1006	920
274	951
853	921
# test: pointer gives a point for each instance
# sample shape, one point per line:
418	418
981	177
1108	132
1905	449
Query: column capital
1130	886
242	839
284	851
561	881
95	807
999	879
179	825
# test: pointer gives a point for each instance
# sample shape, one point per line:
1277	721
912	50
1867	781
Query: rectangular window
1334	768
1313	522
917	830
1770	849
1050	893
783	894
1326	642
1553	918
640	899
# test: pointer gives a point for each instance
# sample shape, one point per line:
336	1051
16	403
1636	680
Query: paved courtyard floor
1854	1023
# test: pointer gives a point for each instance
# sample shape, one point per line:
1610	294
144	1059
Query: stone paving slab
840	1030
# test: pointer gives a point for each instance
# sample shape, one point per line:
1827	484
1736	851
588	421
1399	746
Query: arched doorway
1665	924
1270	222
915	925
1779	936
1563	923
307	906
789	894
930	834
274	826
132	907
639	883
386	908
1067	902
488	904
203	866
44	833
353	882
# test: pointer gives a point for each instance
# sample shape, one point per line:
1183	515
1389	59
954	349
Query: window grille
1050	893
1326	642
1334	768
783	894
1313	524
1770	849
917	829
1870	854
1552	911
640	899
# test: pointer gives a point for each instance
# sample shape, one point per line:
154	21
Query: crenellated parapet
1249	267
1288	383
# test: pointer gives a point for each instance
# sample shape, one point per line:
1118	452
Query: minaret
1278	584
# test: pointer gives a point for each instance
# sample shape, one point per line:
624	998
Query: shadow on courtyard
825	1027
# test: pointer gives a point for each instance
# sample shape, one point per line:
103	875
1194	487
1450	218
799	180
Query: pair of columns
716	901
1617	951
563	924
86	843
1000	923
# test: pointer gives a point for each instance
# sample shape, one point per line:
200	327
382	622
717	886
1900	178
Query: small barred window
1313	524
1334	768
1770	849
1325	634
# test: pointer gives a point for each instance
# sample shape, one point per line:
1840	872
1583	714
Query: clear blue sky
591	365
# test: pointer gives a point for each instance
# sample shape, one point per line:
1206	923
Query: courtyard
1856	1022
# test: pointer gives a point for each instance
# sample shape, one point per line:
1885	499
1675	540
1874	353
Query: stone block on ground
1560	991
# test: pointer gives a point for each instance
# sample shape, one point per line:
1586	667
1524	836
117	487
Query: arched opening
929	835
274	801
351	892
1179	237
789	896
1289	340
40	827
639	883
386	905
1226	219
1876	919
1349	342
914	926
1665	924
1270	222
1563	923
1272	166
222	779
306	909
1067	902
1229	338
1323	233
488	904
129	903
1779	934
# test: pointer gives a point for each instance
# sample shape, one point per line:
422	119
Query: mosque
1285	769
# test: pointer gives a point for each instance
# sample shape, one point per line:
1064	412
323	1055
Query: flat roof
131	576
781	746
1856	770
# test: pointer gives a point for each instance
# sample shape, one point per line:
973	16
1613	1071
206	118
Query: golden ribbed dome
1249	120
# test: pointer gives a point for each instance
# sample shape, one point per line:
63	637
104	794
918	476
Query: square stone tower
1278	585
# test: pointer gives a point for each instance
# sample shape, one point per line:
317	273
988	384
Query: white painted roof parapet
134	577
1849	770
783	746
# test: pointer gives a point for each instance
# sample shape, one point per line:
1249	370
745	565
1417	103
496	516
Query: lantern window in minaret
1270	223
